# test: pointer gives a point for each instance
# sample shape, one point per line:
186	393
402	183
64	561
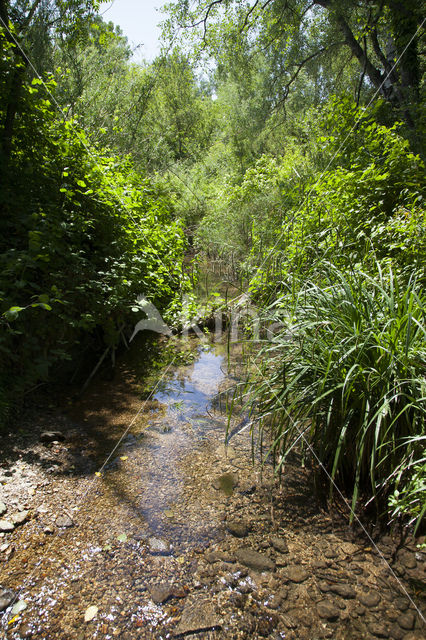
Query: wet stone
407	620
370	599
7	596
297	574
343	590
226	483
254	560
378	629
408	561
159	546
161	593
6	525
64	522
279	544
197	616
237	528
326	609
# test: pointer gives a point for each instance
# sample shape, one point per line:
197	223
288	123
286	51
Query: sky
138	20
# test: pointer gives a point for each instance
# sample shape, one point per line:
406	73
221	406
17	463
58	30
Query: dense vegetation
294	153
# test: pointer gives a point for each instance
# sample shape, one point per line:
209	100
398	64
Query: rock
64	522
161	593
407	620
326	609
279	544
48	530
159	546
378	629
196	617
237	529
6	525
342	590
18	607
25	631
408	561
254	560
401	603
91	613
396	633
51	436
3	508
7	596
20	517
297	574
370	599
226	483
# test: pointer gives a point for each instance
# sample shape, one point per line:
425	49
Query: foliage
345	379
82	236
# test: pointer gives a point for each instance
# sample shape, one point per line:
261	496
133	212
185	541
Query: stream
141	523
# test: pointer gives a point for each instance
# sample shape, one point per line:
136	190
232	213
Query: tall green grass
346	381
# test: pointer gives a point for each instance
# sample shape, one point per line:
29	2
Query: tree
382	36
17	19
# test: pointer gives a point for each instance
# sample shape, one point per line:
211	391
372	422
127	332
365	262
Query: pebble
326	609
237	529
370	599
279	544
254	560
7	596
408	561
197	616
6	525
159	546
343	590
297	574
20	517
407	620
64	522
3	508
161	593
378	629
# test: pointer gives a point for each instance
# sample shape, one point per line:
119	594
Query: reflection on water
190	395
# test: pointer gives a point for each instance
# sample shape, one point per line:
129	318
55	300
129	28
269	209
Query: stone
297	574
401	603
378	629
254	560
3	508
370	599
161	593
396	633
20	517
408	561
237	529
64	522
51	436
6	525
7	596
197	616
48	530
343	590
159	546
279	544
407	620
326	609
226	483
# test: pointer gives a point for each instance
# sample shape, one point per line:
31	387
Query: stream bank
172	534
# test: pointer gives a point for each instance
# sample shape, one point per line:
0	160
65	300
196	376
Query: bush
350	381
81	237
